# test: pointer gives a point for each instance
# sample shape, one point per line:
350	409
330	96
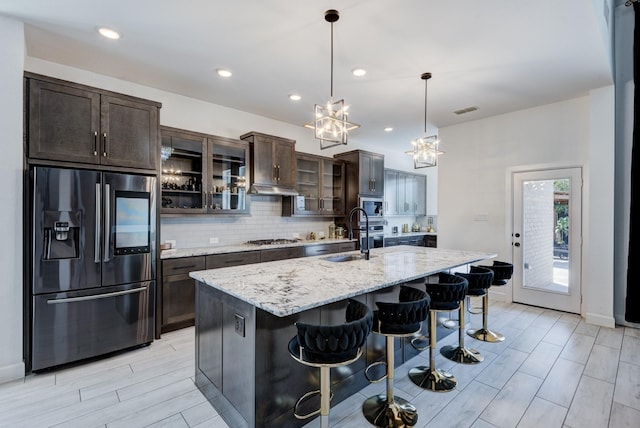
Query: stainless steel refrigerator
93	256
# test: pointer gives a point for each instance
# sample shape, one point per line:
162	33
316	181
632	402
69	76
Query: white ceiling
498	55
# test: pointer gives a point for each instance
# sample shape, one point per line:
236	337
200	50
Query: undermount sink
344	258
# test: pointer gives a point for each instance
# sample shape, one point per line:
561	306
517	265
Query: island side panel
225	358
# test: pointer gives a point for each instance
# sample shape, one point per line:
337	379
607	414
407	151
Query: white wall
474	197
12	54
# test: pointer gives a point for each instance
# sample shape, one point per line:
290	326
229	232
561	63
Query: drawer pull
183	267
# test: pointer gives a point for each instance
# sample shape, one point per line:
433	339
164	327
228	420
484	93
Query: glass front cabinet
320	186
203	174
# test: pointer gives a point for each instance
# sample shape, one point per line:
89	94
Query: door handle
96	242
104	144
107	221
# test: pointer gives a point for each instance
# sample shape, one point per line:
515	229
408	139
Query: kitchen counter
400	234
283	288
246	315
238	248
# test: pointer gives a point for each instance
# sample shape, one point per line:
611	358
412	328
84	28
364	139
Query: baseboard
11	372
600	320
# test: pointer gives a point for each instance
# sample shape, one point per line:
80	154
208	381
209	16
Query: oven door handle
96	296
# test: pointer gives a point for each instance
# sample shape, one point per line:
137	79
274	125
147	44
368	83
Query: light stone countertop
287	287
238	248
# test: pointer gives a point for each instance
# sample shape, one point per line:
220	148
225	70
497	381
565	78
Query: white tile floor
553	370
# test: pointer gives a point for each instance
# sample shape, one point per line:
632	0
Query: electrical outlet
213	240
239	324
171	242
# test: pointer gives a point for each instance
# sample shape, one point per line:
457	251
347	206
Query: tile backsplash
264	222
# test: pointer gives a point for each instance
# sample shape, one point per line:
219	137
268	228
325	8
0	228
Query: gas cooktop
273	241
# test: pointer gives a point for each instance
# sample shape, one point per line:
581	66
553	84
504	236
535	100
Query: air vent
466	110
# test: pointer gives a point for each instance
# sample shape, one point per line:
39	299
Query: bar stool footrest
485	335
305	397
434	380
417	340
397	414
461	355
377	363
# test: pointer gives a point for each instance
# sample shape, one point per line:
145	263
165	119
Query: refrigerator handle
96	245
107	221
47	244
95	296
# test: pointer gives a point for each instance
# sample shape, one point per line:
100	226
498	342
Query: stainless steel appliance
373	207
93	255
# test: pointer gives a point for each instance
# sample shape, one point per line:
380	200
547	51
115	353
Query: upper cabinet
320	186
272	162
365	172
203	173
405	193
74	123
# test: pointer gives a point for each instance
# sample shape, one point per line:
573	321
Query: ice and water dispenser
61	235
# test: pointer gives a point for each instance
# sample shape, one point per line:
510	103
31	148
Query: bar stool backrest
447	293
480	278
502	272
405	316
336	343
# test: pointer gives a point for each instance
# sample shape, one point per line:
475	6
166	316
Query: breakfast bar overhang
245	318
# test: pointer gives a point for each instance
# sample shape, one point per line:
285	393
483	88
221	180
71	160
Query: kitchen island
245	318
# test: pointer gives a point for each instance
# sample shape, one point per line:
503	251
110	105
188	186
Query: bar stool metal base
434	380
461	355
485	335
398	413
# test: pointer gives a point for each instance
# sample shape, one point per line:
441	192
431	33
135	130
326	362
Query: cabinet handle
275	177
374	184
278	172
104	144
228	262
95	143
183	267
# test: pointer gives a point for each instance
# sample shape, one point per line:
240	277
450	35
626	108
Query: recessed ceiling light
295	97
388	129
358	72
224	73
109	33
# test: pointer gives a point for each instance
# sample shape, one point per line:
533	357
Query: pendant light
425	150
330	124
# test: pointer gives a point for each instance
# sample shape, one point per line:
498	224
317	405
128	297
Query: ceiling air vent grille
466	110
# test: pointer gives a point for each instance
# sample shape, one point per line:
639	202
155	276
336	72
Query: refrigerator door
129	218
82	324
66	230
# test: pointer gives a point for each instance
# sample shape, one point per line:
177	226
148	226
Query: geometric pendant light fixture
330	124
425	150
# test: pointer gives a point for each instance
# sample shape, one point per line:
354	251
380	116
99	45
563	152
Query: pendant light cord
425	107
331	88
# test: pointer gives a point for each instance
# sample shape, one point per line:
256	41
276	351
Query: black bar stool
446	295
502	272
393	320
330	346
479	279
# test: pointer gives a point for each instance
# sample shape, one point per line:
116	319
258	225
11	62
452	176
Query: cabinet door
390	193
228	175
274	254
365	175
409	194
232	259
309	170
129	133
421	195
183	179
264	170
178	300
64	123
285	161
377	174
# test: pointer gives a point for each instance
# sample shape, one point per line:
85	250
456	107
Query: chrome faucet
364	248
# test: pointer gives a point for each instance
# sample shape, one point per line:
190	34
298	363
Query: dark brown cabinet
365	173
75	123
216	261
320	186
274	254
418	241
272	160
203	174
178	292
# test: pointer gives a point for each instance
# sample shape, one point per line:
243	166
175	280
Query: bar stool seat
502	272
393	320
446	295
325	347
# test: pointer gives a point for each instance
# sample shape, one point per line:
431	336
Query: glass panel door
547	238
308	174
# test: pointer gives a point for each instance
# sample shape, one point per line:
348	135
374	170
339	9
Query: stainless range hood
263	189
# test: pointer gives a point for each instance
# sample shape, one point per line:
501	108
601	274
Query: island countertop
287	287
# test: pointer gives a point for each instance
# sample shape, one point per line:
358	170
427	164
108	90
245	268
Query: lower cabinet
417	241
178	289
